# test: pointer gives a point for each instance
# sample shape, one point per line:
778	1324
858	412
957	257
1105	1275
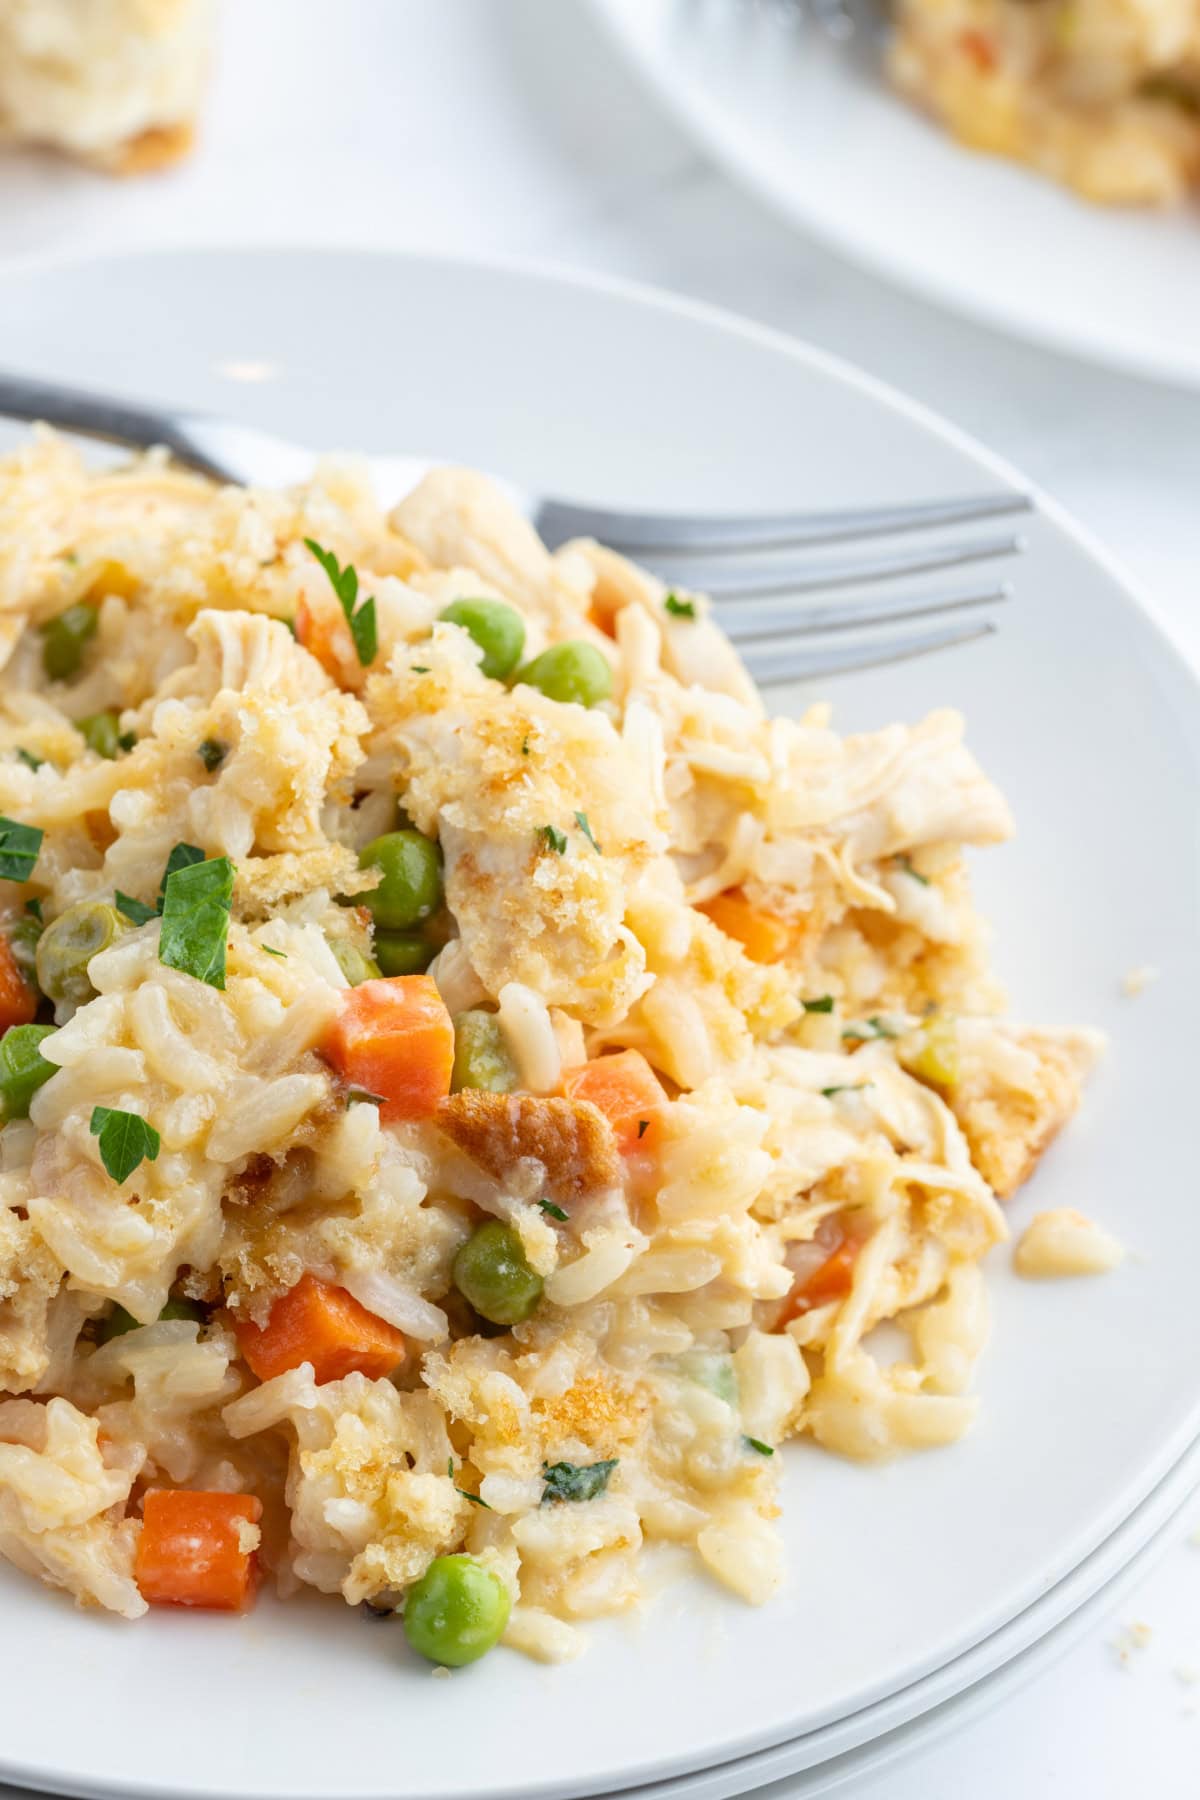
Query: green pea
492	1273
118	1321
354	963
481	1056
411	885
572	671
457	1612
67	946
711	1369
402	952
499	630
23	938
64	638
102	733
23	1068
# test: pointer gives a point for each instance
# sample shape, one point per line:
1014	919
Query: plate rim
1170	661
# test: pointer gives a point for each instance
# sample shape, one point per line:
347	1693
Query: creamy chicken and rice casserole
1103	95
473	1080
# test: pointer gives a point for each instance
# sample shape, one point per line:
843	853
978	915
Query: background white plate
1083	713
813	128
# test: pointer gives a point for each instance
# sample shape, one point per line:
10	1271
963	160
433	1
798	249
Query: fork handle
97	416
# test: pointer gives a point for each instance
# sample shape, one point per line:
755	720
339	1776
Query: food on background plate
1101	95
473	1081
117	83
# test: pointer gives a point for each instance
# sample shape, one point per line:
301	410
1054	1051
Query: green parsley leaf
475	1499
525	745
19	846
581	819
552	1211
361	619
874	1027
906	863
181	857
127	740
643	1127
823	1005
679	609
556	840
845	1088
281	954
576	1481
125	1140
34	909
195	920
419	669
757	1444
135	910
212	753
29	759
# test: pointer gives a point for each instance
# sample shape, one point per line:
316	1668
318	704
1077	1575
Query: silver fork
759	568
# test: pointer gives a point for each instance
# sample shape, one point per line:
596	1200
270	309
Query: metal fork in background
760	569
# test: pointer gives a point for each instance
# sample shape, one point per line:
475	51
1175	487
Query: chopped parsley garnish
281	954
475	1499
360	619
525	745
212	753
757	1444
135	910
874	1027
34	909
845	1088
556	840
195	920
576	1481
29	759
643	1127
552	1211
419	669
127	740
581	819
19	846
823	1005
679	609
125	1140
181	857
906	863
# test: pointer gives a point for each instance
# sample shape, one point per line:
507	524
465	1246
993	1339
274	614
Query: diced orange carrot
318	1323
978	49
832	1278
326	636
628	1093
394	1038
190	1550
764	936
18	1002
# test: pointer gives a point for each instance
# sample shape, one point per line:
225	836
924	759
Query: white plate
814	129
824	1762
1091	724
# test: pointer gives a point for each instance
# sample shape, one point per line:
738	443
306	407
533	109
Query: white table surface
508	126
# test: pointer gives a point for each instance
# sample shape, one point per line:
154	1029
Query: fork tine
728	580
559	520
770	665
749	621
